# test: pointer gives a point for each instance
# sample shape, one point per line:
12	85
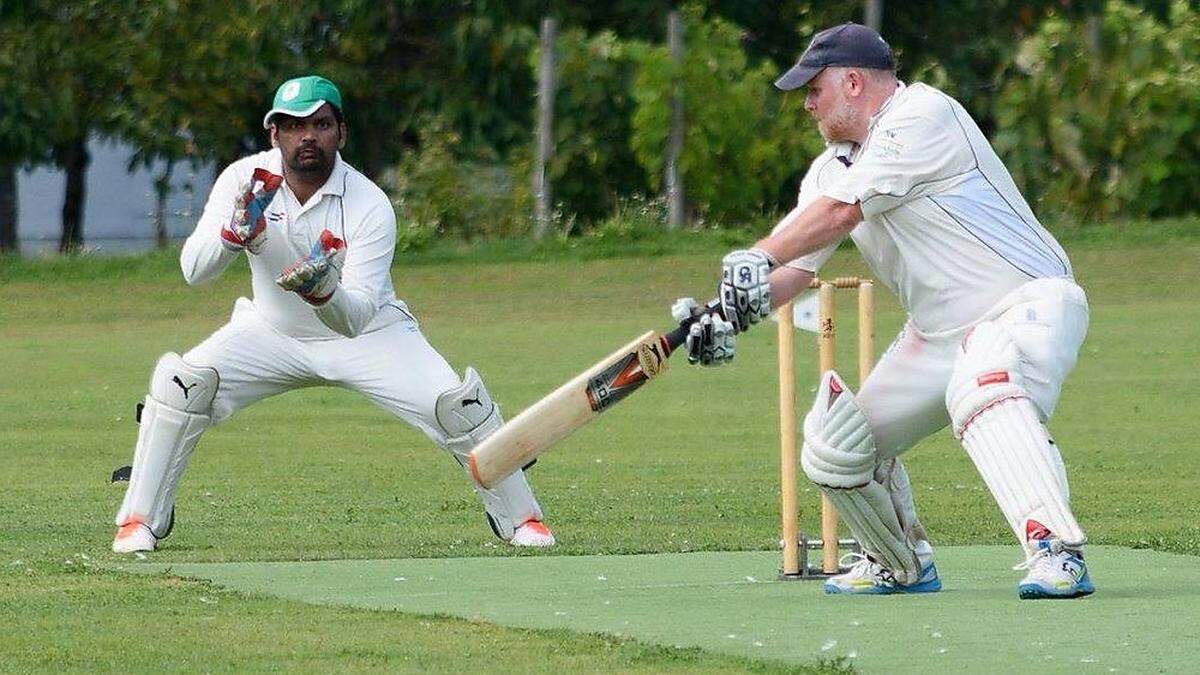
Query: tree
1087	145
24	110
199	102
92	43
741	139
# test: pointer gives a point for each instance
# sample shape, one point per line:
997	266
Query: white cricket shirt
944	226
350	206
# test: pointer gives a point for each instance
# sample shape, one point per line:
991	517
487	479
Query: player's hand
247	229
316	276
745	292
710	340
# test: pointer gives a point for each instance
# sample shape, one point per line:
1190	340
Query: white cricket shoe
134	536
867	577
532	533
1054	571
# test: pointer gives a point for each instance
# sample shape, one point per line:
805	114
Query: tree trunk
74	159
674	178
545	130
8	208
162	190
873	15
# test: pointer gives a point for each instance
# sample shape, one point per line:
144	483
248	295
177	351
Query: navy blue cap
850	44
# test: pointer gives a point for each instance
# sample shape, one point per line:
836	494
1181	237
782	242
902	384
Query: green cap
301	96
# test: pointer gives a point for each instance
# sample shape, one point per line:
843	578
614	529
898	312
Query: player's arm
787	282
204	257
803	231
344	281
234	220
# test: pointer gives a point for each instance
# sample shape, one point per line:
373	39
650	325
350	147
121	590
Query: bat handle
679	335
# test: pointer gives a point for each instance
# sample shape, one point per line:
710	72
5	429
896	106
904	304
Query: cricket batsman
319	236
995	318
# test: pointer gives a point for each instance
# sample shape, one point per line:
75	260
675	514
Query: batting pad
467	415
839	450
1002	432
177	411
872	517
1023	469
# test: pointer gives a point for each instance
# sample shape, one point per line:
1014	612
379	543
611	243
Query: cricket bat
573	405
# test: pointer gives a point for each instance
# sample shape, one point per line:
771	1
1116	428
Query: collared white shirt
350	206
944	226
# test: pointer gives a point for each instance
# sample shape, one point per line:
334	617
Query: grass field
690	464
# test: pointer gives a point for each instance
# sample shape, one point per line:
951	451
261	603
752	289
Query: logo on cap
290	91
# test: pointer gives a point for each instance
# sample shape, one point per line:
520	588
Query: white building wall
119	209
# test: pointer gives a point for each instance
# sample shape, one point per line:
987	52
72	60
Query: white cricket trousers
395	367
904	397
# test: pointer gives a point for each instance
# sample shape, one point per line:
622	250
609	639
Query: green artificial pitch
1142	618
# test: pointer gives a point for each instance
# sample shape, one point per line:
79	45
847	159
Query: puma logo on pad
186	389
468	401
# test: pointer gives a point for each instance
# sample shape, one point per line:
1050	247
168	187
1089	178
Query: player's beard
837	125
310	160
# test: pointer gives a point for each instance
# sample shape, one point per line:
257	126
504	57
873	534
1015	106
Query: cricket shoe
1054	571
134	536
867	577
532	533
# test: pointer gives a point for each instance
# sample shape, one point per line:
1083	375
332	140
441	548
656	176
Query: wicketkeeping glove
710	341
745	292
316	276
247	229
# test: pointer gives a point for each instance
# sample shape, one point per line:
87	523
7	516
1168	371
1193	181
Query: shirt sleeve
910	154
366	273
204	257
824	166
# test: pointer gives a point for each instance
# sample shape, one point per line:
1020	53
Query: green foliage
437	192
184	79
399	63
592	167
25	108
741	138
635	219
1098	120
179	102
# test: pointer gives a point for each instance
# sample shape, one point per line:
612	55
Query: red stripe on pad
994	377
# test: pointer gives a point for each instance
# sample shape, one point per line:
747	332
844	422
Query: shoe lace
862	565
1041	559
853	559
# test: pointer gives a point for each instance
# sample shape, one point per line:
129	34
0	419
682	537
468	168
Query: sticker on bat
615	382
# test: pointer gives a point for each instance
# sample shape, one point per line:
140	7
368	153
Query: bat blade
571	406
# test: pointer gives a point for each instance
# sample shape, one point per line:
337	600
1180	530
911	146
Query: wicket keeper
995	318
320	237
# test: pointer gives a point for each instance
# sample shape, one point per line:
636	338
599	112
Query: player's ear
341	135
274	136
856	81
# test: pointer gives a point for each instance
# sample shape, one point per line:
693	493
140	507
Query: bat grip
679	335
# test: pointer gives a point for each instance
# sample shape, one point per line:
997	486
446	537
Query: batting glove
247	229
316	276
710	340
745	292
